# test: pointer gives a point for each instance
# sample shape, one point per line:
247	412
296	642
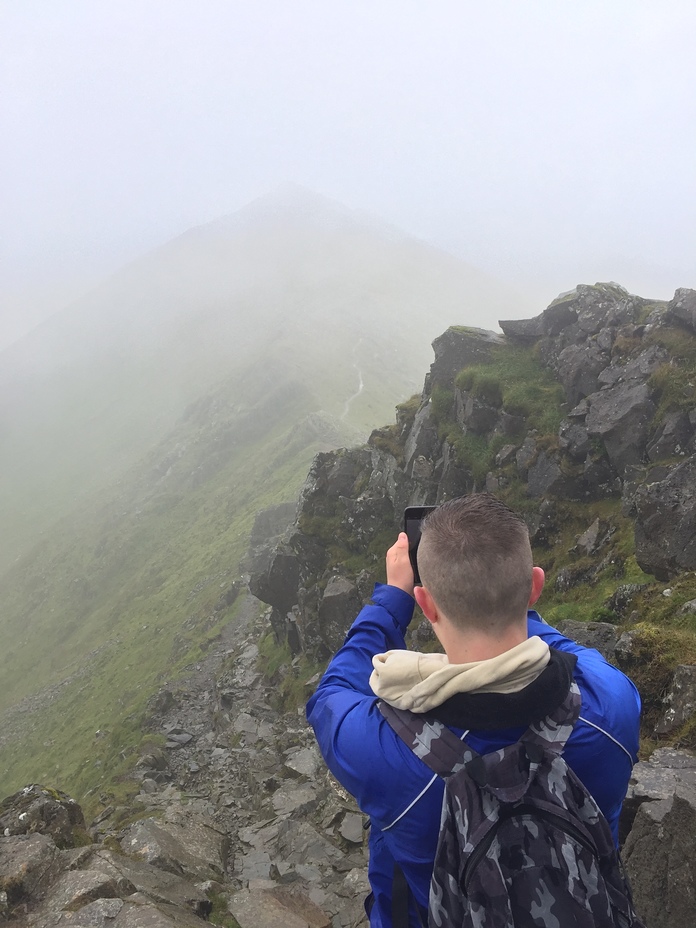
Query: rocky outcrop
620	438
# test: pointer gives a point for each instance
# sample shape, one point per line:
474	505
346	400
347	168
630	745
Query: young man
503	668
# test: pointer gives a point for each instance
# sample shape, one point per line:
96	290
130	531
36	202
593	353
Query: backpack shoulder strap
550	734
429	740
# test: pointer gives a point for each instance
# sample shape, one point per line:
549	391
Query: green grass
516	382
124	595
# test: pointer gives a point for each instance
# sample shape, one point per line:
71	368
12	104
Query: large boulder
460	347
278	582
43	810
621	417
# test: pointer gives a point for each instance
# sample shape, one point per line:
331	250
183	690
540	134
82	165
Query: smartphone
413	516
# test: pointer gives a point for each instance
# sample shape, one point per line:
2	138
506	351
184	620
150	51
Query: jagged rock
160	886
556	317
454	479
675	436
574	440
28	866
79	887
578	368
458	348
196	850
277	585
39	809
545	477
665	521
542	524
306	762
683	307
161	703
338	607
526	455
602	636
680	700
422	440
637	370
621	417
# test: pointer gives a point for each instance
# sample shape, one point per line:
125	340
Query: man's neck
470	646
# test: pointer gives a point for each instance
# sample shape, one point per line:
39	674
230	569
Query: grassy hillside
128	589
86	394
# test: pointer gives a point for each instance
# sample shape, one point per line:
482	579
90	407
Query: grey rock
306	762
625	646
683	307
458	348
505	455
38	809
665	521
602	636
195	850
28	865
674	437
422	440
680	700
352	828
574	440
621	418
545	477
526	455
278	583
578	368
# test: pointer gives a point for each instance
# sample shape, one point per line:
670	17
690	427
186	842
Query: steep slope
352	304
139	580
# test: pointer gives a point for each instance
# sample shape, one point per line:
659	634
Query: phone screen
413	516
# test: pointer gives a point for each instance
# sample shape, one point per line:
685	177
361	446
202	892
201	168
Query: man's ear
538	579
427	603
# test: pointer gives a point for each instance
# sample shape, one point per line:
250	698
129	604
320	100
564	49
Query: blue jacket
400	794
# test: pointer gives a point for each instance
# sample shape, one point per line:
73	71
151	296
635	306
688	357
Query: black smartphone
413	516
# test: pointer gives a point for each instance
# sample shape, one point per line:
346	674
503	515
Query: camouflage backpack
522	843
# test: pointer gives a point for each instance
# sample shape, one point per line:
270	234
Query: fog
546	143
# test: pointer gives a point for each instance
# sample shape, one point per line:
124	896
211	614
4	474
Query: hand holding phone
413	516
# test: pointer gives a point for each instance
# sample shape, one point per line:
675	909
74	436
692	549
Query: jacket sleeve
342	709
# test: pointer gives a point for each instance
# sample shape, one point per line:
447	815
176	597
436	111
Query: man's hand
399	570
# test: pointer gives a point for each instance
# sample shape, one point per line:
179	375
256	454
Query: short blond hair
475	559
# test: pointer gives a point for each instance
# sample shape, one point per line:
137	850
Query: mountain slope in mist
351	304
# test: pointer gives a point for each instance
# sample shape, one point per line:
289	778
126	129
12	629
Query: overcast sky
549	142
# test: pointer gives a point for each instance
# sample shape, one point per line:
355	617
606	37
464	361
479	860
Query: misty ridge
292	277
